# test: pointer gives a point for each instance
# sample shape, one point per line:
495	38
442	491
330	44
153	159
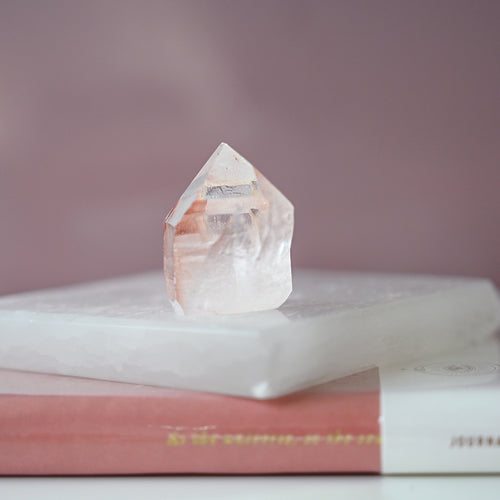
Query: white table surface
260	488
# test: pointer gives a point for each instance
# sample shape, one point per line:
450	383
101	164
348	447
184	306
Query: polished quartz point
227	240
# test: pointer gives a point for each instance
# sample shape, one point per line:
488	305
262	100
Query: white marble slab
334	324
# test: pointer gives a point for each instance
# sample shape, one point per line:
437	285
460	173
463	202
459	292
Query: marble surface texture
332	325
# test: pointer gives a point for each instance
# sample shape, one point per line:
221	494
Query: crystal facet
227	240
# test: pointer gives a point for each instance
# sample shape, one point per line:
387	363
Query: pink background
378	119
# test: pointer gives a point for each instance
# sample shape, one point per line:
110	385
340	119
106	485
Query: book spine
42	435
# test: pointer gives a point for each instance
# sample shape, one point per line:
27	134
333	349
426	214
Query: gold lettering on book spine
203	439
176	439
333	439
312	439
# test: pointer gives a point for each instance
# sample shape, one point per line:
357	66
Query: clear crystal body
227	240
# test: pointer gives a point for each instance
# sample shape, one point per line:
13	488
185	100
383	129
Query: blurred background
378	119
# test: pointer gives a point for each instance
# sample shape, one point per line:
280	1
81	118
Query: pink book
441	415
61	425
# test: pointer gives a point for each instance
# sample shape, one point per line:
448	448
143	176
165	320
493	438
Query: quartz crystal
227	240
